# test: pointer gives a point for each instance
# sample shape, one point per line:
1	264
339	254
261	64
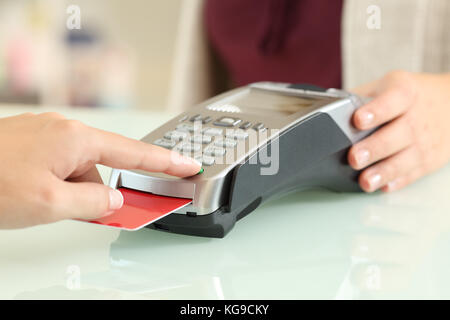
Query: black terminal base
213	225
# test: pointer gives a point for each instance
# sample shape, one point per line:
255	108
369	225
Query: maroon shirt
294	41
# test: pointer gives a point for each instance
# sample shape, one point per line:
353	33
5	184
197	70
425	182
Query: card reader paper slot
141	209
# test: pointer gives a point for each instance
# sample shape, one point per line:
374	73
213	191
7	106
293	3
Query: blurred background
120	58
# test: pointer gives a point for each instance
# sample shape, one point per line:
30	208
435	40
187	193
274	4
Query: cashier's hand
414	140
48	172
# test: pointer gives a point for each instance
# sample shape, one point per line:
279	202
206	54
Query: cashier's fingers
395	96
385	142
403	181
120	152
82	200
387	172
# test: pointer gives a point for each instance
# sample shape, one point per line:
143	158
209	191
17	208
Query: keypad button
203	139
183	118
227	122
214	151
187	127
176	135
206	120
237	134
206	160
213	131
246	125
197	117
169	144
189	147
227	143
259	126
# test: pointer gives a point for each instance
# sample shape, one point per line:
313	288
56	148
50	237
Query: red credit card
141	209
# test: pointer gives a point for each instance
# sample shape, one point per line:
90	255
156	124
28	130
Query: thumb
88	200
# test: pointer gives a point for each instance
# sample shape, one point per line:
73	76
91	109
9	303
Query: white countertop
312	244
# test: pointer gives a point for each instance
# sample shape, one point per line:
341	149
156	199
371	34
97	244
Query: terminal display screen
257	101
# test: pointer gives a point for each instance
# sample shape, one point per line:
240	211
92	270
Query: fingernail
374	182
366	118
201	171
362	157
197	163
189	160
115	200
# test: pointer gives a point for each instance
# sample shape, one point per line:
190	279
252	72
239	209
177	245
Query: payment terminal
255	142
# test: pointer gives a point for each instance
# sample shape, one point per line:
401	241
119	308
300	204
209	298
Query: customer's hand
414	110
48	171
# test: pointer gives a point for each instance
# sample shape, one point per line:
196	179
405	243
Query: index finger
119	152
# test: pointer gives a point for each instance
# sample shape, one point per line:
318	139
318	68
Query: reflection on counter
312	244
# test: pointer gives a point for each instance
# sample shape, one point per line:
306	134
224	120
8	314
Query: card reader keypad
205	160
227	122
175	135
169	144
237	134
200	138
213	131
187	127
207	143
214	151
227	143
189	147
